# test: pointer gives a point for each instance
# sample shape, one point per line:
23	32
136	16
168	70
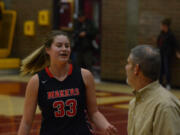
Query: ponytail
35	61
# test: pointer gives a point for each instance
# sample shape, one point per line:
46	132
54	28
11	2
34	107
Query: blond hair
39	59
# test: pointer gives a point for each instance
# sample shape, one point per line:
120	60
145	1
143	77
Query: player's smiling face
60	49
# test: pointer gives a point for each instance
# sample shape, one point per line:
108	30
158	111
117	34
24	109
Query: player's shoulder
33	85
86	73
34	79
87	76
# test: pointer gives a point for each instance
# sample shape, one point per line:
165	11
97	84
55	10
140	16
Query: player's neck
60	70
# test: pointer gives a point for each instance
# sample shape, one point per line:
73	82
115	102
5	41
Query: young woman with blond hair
63	92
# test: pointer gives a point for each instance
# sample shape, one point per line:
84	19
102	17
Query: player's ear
47	50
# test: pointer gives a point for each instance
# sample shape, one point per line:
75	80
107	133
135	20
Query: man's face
130	71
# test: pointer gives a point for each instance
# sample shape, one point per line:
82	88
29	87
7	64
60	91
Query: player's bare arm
30	105
95	116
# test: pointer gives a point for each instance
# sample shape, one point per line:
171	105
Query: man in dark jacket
167	44
0	18
0	13
84	34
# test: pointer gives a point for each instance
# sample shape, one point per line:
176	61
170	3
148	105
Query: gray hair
148	59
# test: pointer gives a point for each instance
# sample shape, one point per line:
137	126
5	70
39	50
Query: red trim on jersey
51	75
70	69
48	72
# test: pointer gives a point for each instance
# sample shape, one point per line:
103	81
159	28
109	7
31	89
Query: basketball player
62	91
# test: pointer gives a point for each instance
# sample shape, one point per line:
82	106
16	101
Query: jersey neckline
51	75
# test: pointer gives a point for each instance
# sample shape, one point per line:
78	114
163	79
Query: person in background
84	34
153	110
167	44
0	18
63	92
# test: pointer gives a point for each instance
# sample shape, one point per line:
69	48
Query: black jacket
84	43
0	13
166	42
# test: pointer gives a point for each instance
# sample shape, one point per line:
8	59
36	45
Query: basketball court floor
112	98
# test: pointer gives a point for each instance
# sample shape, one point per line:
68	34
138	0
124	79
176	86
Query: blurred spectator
0	13
0	18
167	44
84	34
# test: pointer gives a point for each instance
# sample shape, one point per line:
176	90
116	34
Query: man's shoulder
165	98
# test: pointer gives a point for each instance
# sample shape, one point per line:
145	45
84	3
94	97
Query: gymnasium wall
126	23
28	10
151	12
113	51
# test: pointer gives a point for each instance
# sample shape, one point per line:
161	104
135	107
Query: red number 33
60	105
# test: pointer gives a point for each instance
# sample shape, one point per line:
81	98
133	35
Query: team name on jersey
63	93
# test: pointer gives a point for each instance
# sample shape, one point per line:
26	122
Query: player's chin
65	60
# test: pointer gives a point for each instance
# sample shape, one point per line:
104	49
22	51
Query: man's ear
136	69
